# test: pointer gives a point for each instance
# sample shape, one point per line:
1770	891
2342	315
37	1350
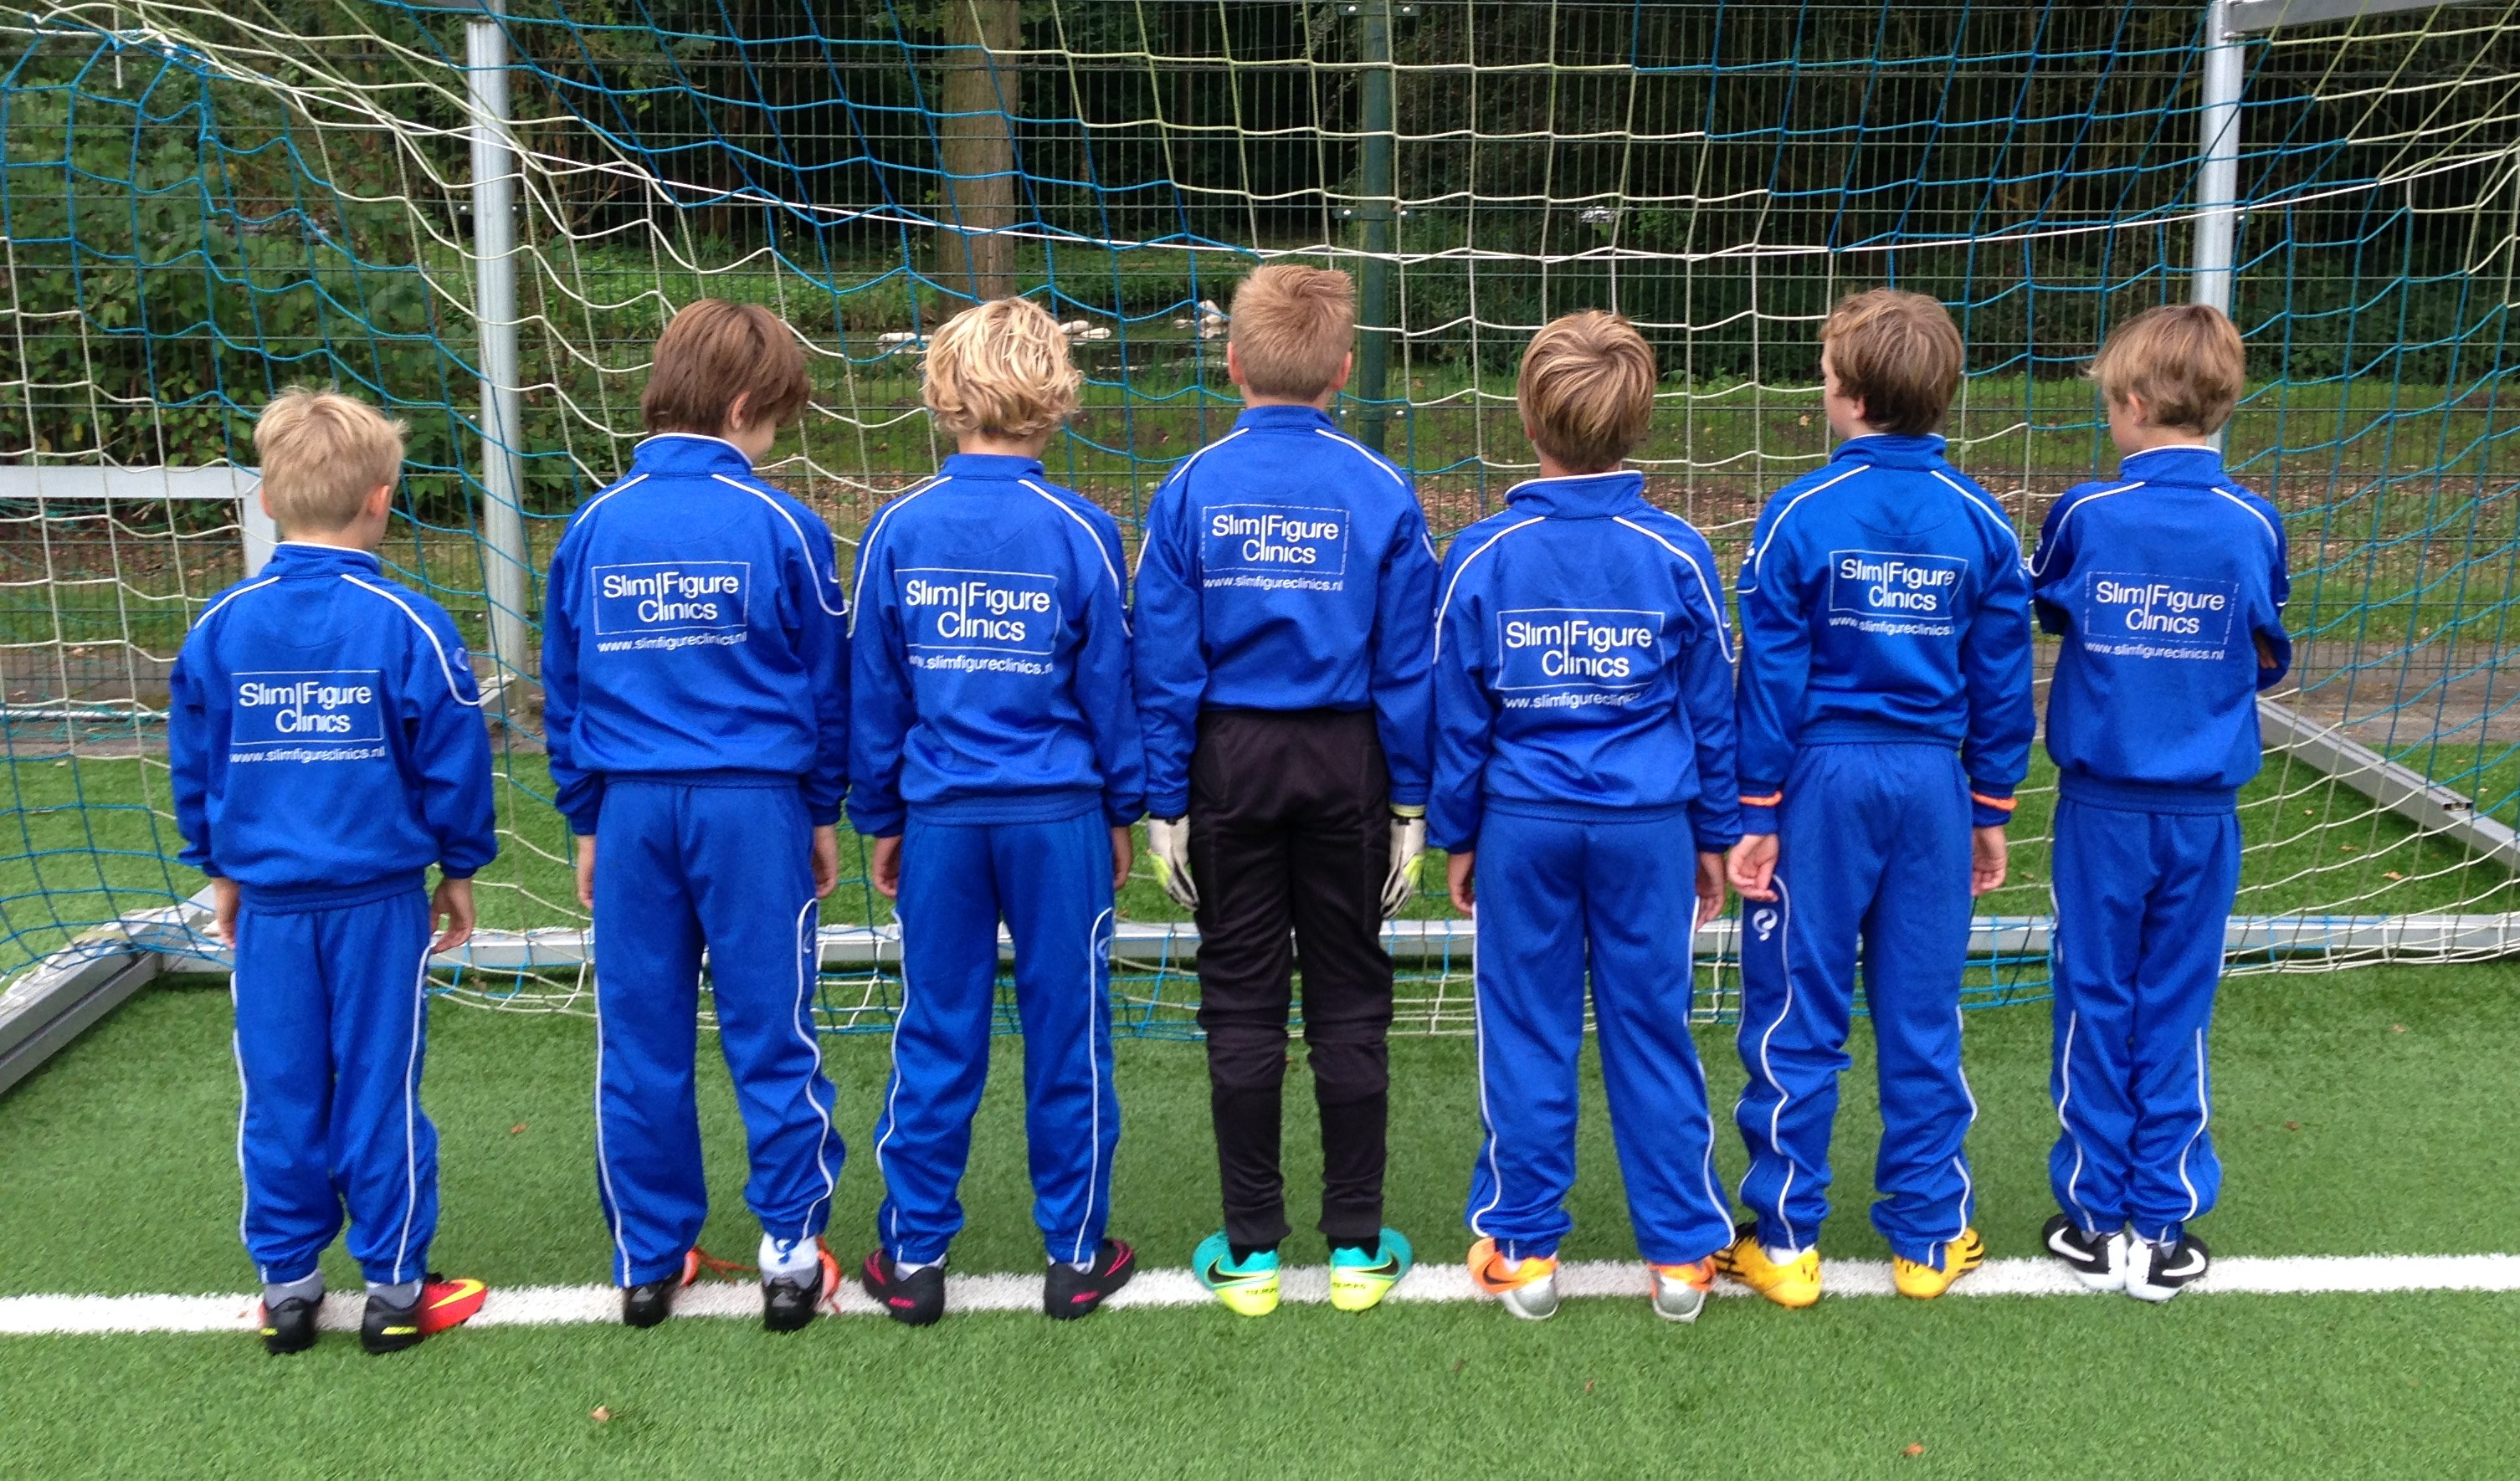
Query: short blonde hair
2184	360
322	454
1000	367
1587	389
1899	354
1292	328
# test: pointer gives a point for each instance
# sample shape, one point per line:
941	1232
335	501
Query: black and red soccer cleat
653	1301
442	1304
916	1299
787	1305
1067	1293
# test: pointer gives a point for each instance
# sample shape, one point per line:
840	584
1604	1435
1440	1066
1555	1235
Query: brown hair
1899	354
1000	367
322	454
2185	360
715	351
1587	389
1291	329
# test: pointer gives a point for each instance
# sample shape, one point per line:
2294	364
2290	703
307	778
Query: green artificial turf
2358	1112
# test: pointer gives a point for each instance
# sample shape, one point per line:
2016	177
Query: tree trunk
981	92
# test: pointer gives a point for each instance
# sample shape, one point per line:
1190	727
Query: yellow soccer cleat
1794	1284
1247	1287
1925	1283
1359	1282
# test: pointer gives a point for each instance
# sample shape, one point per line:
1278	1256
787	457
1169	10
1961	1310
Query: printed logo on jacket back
1553	658
979	622
1276	546
333	714
671	603
2132	615
1895	593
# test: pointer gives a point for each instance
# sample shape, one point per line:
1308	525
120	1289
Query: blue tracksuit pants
1873	861
332	1023
1052	884
2141	902
679	867
1556	896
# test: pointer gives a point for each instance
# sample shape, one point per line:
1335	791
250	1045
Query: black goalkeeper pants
1290	840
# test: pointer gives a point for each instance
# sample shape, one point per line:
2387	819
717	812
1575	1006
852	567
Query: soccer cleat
1359	1283
1794	1283
1680	1290
648	1304
1526	1287
1067	1293
290	1327
1248	1288
2098	1261
917	1300
787	1305
442	1304
2159	1272
1924	1281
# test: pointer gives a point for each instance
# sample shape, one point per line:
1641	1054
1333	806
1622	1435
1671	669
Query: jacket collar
1284	419
694	453
299	558
1891	450
2199	465
1586	496
1000	465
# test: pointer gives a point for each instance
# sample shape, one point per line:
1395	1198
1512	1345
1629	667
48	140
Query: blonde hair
1291	329
1587	389
714	352
322	454
1899	354
2184	360
1000	367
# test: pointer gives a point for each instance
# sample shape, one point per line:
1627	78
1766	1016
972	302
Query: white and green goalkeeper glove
1168	849
1408	857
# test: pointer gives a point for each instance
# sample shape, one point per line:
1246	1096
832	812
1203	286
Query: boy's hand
1461	878
1122	856
1985	859
452	904
223	912
827	861
1710	887
883	866
586	870
1752	866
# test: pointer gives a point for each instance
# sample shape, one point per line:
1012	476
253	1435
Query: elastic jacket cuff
1408	809
1716	843
877	823
1990	806
1759	803
1168	804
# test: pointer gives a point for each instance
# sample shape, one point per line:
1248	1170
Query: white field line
565	1305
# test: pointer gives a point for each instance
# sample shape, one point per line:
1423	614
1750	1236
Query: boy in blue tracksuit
1885	715
327	747
997	768
2168	584
1583	751
1286	595
696	698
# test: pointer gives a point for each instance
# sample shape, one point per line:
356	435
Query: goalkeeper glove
1408	857
1168	849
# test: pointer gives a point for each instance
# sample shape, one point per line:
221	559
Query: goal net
204	203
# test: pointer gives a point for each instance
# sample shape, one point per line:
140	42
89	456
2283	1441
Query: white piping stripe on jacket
1750	580
1714	608
1097	951
1177	475
1468	561
1369	454
1766	1069
1994	513
1118	586
2276	539
2038	562
865	548
808	941
798	531
411	1111
221	604
443	666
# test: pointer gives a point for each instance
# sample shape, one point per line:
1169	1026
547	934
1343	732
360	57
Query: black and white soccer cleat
2098	1261
2159	1271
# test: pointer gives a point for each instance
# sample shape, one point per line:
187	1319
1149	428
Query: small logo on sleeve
1896	592
647	598
308	715
980	621
1296	547
2136	615
1599	656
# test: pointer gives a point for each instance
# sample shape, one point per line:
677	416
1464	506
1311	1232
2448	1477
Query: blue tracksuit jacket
327	746
2168	584
990	654
1619	706
1583	705
694	625
1268	554
1885	706
696	698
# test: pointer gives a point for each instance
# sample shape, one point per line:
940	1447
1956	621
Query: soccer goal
480	215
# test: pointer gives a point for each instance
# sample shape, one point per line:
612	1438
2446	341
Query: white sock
901	1268
1081	1267
789	1259
1782	1255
